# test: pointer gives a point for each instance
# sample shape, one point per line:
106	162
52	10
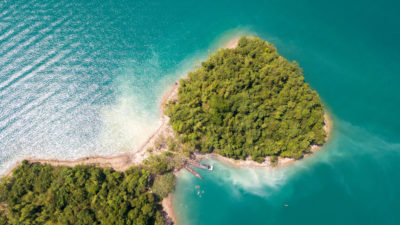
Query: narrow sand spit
124	161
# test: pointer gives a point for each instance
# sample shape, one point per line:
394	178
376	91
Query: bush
158	164
164	184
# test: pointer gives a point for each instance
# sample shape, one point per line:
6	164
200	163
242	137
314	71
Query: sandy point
233	43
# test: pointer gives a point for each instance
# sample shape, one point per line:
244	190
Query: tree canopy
248	101
43	194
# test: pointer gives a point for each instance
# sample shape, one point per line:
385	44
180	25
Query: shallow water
82	78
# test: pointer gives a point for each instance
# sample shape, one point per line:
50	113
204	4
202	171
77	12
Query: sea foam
258	181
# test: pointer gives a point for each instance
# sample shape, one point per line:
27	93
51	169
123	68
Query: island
248	101
245	104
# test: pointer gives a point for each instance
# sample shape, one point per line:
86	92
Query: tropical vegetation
44	194
248	101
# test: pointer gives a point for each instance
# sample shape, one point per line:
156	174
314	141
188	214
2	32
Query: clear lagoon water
81	78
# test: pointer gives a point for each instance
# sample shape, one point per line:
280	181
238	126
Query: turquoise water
82	78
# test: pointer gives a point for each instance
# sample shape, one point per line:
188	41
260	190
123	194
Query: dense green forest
43	194
248	101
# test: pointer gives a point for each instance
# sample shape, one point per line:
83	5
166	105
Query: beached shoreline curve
120	162
282	161
124	161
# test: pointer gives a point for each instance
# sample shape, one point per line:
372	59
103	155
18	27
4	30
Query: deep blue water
82	78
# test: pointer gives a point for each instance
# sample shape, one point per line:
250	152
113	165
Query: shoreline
124	161
282	161
120	162
168	208
167	203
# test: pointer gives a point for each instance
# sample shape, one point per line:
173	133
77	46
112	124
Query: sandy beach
282	162
123	161
233	43
135	157
168	207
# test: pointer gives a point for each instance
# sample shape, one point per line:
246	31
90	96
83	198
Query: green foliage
39	194
3	218
163	163
248	101
158	164
274	160
172	145
3	190
164	184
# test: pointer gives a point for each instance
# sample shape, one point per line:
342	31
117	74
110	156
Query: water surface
82	78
